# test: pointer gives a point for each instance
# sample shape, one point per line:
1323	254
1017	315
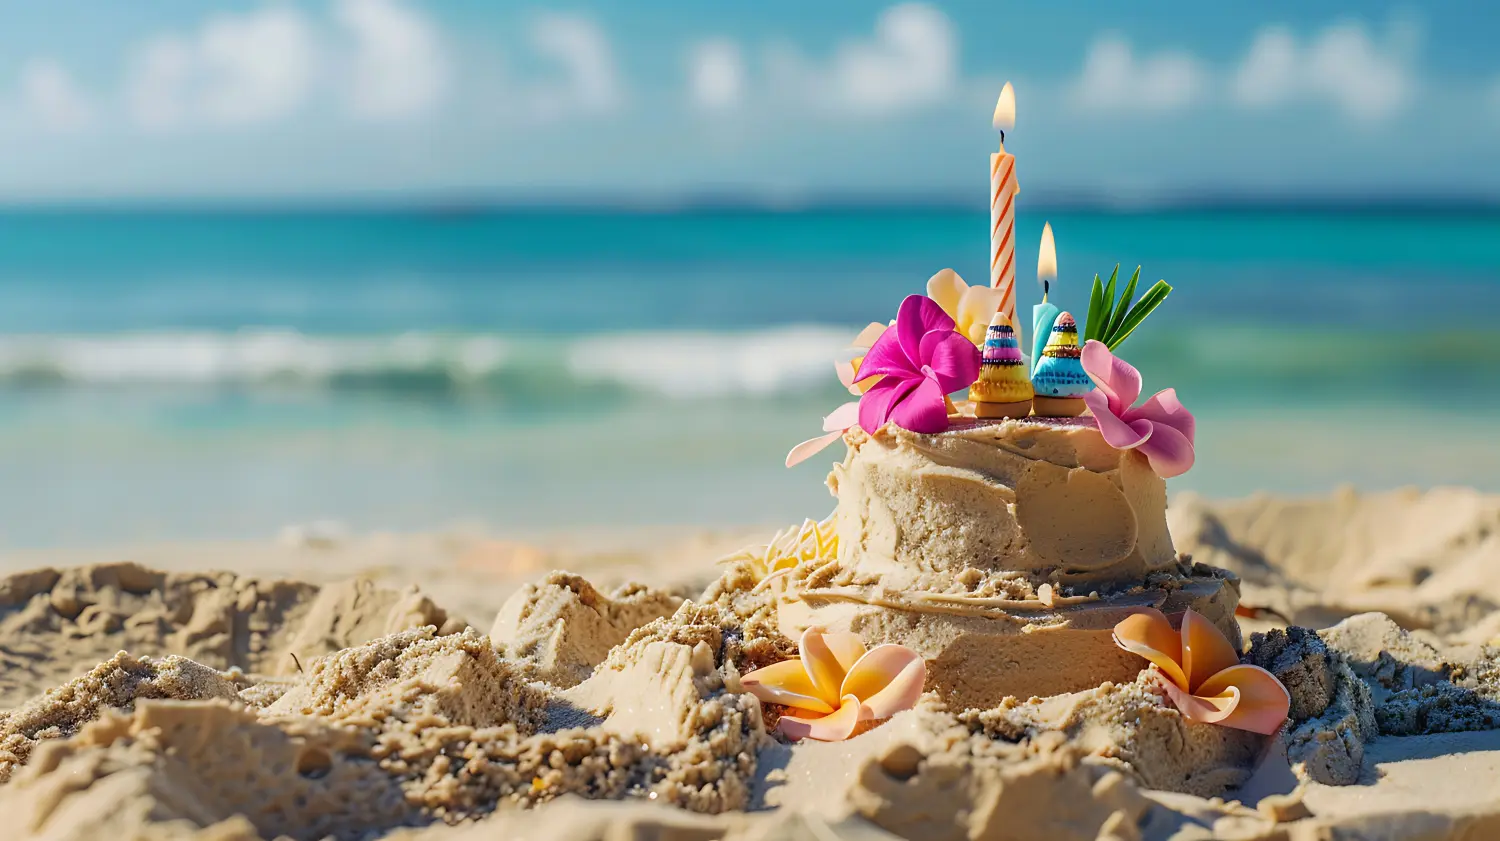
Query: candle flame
1005	109
1046	258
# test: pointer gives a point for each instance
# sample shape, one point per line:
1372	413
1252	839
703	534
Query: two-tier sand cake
1004	552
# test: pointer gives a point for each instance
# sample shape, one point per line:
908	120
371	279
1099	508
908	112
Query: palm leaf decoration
1112	320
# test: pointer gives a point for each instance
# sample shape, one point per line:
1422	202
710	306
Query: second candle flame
1046	258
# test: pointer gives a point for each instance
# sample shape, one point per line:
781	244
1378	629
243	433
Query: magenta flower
1161	428
919	360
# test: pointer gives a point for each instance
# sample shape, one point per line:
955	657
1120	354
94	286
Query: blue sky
784	101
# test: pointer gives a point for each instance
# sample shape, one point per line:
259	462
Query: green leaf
1109	301
1109	304
1122	308
1148	302
1097	312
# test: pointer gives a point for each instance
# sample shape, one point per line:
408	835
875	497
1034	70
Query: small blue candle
1043	315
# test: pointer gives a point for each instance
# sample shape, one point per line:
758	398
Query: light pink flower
834	426
920	361
1161	428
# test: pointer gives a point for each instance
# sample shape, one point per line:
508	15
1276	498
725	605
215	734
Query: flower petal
1116	432
947	289
887	356
1263	702
952	357
847	649
879	402
811	447
1169	451
978	305
886	680
785	683
867	336
1164	409
822	665
1118	379
829	728
924	409
1149	634
842	418
1204	710
1205	650
845	371
918	316
848	374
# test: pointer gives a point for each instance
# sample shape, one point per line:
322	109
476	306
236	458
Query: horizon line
452	203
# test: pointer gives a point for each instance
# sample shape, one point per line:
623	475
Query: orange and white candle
1003	190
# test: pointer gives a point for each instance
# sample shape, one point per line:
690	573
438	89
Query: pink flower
1161	428
920	360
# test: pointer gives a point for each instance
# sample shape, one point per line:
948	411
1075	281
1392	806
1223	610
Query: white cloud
399	69
1115	80
52	99
236	70
156	83
716	74
259	66
912	61
1342	66
589	82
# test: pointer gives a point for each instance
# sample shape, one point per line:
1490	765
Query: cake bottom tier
978	654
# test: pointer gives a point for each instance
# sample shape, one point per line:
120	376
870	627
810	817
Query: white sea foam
709	364
203	358
674	364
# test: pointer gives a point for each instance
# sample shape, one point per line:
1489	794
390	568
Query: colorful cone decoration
1059	378
1003	389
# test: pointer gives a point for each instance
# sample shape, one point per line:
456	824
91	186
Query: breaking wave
679	365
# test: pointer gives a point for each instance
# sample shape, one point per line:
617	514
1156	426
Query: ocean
170	374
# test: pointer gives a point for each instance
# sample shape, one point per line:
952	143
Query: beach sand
456	686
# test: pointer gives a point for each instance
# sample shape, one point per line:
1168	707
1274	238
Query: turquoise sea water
189	375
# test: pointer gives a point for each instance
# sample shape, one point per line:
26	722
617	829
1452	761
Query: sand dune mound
117	683
411	728
58	623
1427	559
564	627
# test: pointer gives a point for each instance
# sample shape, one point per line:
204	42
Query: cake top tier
1011	504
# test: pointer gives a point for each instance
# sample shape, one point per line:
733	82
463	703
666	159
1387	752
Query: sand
317	692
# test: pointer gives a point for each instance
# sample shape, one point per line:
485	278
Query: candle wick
1002	137
1046	290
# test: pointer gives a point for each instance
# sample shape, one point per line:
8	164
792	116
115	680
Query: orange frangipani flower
836	684
1201	672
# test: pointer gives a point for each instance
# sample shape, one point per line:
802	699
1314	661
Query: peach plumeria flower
1202	674
836	684
970	307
